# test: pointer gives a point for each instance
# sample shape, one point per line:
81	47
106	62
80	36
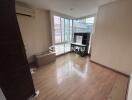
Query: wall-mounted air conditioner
24	9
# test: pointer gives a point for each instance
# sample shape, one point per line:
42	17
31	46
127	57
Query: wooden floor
76	78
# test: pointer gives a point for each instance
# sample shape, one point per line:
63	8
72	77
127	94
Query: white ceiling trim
73	8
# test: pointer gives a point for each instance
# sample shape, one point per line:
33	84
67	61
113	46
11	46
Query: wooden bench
44	58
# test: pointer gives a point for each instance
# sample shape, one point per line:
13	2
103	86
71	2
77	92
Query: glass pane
90	20
67	47
84	25
90	23
62	29
57	28
67	34
71	31
59	49
67	30
63	34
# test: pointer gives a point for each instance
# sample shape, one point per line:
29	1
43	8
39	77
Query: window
62	29
84	25
57	29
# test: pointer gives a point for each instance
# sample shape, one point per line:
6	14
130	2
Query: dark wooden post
15	77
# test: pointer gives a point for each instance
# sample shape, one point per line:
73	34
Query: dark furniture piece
81	48
15	77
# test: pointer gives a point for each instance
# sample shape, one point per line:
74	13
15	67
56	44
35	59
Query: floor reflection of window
64	72
70	69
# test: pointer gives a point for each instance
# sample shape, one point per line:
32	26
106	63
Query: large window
63	34
64	29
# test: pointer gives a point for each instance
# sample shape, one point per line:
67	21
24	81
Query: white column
2	97
130	90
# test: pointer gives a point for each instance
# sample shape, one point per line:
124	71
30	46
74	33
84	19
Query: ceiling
74	8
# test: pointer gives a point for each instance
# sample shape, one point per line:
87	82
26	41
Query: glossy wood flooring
76	78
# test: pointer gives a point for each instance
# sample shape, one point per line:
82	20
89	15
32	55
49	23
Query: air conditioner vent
24	9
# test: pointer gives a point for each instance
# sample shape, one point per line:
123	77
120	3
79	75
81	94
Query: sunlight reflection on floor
70	69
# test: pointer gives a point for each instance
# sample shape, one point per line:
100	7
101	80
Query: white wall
36	32
112	41
2	97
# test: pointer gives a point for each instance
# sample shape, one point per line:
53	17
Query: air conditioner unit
24	9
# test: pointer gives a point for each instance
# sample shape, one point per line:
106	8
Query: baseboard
110	69
129	76
63	54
